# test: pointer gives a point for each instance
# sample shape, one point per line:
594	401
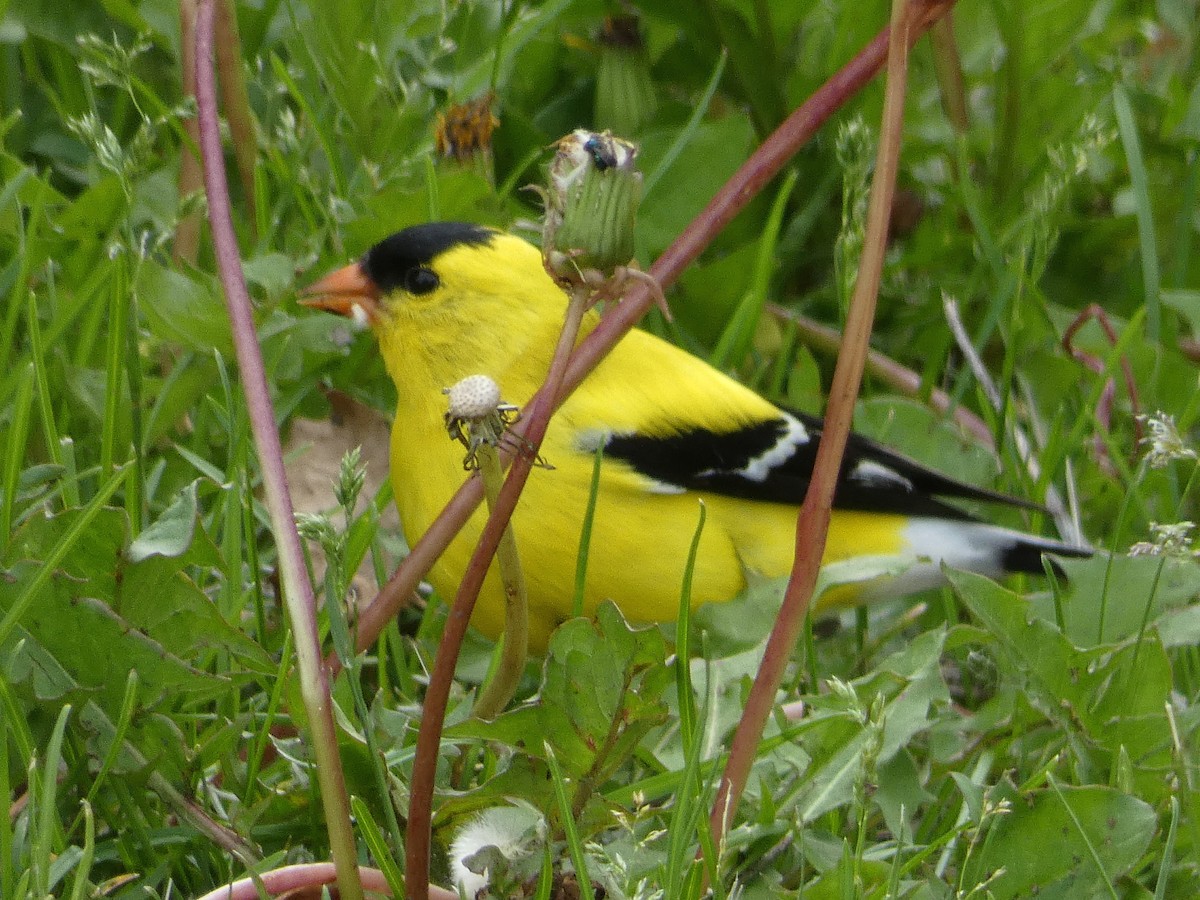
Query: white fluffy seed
473	398
503	827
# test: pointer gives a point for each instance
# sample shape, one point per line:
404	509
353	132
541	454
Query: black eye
419	280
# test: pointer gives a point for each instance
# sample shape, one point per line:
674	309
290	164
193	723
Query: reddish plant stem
813	522
433	712
1104	408
306	879
298	593
891	372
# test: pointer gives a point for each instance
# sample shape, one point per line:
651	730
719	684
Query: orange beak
347	292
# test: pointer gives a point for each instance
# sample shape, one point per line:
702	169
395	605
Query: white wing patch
876	474
655	486
758	468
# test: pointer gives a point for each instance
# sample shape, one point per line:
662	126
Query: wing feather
771	459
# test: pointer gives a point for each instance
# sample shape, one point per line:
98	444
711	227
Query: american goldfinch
449	300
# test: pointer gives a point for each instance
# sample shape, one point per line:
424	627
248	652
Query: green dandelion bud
591	206
624	93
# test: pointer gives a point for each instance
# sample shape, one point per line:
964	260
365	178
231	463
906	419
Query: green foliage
977	742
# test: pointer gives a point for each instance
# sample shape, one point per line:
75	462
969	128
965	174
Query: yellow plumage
448	301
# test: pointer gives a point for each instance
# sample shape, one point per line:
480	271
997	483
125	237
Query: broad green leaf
1117	591
171	533
900	792
1051	843
23	659
159	599
714	153
85	636
182	310
1055	672
602	688
1116	696
601	692
101	608
274	273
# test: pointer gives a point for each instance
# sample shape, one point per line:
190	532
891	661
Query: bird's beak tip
348	292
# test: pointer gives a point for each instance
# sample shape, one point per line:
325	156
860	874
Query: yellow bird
448	300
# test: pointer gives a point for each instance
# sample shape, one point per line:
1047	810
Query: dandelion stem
514	646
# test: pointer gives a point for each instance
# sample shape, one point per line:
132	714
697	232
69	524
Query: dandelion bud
624	93
591	205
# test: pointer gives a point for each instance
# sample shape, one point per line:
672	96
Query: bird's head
446	300
439	270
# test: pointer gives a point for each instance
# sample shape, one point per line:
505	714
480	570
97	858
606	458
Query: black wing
772	460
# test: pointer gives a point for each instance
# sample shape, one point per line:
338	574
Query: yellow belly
639	547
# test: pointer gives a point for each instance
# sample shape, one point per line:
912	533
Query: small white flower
1164	440
1170	539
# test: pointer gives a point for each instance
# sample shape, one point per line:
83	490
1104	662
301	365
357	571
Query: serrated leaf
1056	672
100	614
25	660
1114	695
161	600
89	641
602	687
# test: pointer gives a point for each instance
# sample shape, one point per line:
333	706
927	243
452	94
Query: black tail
1025	554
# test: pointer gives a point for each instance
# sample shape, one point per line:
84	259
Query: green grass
948	742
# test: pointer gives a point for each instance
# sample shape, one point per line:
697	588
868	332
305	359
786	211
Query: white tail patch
973	546
876	474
